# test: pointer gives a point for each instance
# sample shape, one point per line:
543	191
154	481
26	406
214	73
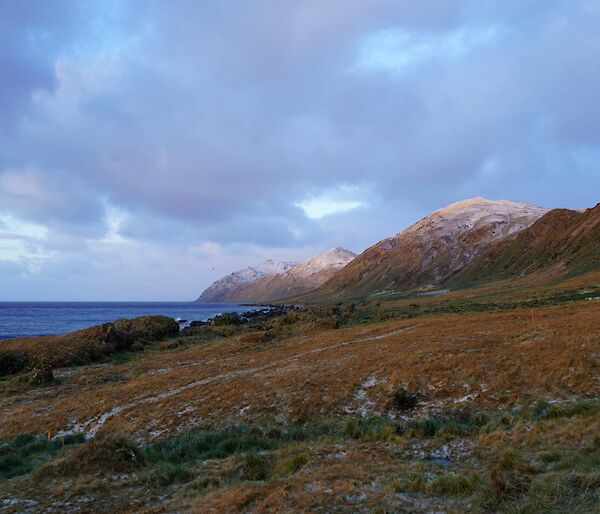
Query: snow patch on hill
333	258
510	217
248	275
271	279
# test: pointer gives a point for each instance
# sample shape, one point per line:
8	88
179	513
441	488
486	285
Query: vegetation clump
404	399
20	455
255	466
107	452
229	318
42	374
12	362
85	346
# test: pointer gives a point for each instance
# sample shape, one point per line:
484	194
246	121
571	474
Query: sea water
19	319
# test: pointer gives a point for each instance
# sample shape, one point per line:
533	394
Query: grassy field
481	400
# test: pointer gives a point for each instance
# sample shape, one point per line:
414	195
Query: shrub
42	374
229	318
12	362
83	346
404	399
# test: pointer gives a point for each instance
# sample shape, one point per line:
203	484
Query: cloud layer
147	147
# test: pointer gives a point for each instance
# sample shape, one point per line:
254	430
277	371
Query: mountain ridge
221	288
430	251
292	279
562	242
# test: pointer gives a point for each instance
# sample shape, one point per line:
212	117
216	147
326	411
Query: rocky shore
233	318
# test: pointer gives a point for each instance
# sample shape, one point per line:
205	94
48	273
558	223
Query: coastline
39	319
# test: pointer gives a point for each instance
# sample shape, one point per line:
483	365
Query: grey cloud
208	121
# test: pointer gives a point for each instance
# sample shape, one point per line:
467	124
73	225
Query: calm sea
18	319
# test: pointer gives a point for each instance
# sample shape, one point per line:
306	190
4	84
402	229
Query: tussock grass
290	462
421	479
454	484
167	473
255	466
581	407
233	440
106	453
22	454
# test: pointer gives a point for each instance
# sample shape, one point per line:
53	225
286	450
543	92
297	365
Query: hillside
561	242
226	288
429	252
478	401
293	280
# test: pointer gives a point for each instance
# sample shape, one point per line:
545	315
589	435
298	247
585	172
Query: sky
149	147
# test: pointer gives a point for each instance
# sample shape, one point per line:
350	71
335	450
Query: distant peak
338	250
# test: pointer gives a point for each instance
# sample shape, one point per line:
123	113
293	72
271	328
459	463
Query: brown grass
485	359
282	371
91	344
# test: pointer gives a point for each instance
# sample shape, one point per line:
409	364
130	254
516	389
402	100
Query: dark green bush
404	399
12	362
229	318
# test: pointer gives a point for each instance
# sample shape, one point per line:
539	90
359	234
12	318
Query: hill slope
429	252
294	280
561	242
225	288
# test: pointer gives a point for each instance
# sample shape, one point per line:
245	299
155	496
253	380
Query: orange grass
487	359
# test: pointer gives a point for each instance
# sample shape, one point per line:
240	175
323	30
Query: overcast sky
149	147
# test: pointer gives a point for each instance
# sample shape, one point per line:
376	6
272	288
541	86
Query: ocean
19	319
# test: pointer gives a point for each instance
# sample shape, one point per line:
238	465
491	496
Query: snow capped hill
271	267
333	258
426	254
274	280
225	286
433	249
468	214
